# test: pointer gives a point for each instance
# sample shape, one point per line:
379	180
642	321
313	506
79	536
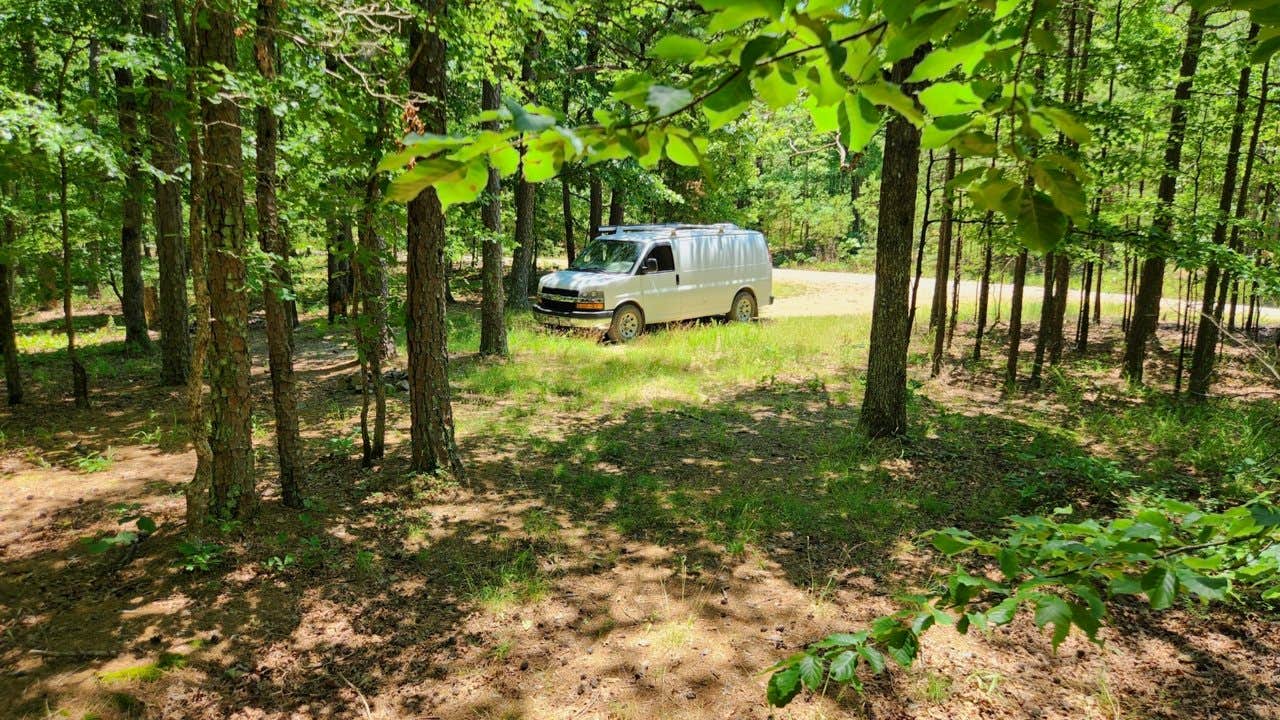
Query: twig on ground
363	701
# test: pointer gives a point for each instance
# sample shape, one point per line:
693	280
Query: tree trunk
175	340
8	340
373	334
131	301
984	290
93	287
617	205
431	413
1046	322
522	260
1146	306
338	266
942	267
232	493
924	241
1061	289
272	241
566	203
957	241
596	203
1015	319
493	326
884	404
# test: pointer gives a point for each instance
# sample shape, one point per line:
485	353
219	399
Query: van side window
666	261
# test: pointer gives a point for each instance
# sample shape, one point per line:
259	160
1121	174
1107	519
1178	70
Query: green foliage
143	526
1066	572
198	555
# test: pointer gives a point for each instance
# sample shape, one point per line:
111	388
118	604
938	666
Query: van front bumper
594	320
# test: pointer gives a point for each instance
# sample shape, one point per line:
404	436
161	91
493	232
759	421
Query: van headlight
590	300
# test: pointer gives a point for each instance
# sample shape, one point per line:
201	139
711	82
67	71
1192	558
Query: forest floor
641	531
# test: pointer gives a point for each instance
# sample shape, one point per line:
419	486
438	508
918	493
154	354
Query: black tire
744	307
627	325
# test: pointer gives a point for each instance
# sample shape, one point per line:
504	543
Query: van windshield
608	256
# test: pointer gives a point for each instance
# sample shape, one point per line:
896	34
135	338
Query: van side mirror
650	266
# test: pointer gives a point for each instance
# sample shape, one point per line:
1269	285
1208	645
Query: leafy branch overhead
833	58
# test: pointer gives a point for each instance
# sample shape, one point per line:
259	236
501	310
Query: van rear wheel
744	307
627	325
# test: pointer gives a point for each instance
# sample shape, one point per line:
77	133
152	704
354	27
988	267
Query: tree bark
984	290
566	205
924	240
1061	288
1015	319
1204	351
175	340
8	340
131	302
942	267
957	242
595	202
232	492
1146	306
522	260
493	326
431	423
1046	313
279	332
617	205
884	404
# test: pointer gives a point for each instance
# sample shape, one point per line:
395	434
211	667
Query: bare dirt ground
519	593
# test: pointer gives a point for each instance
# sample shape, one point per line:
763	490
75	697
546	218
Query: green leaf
783	686
1064	189
1010	565
146	525
811	672
1040	225
1053	610
872	657
667	100
857	120
886	93
843	666
730	101
464	189
902	645
678	48
949	544
949	98
410	183
736	13
942	60
776	87
1161	587
683	151
825	119
526	121
1207	588
1067	124
505	159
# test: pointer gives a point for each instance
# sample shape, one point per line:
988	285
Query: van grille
557	305
560	291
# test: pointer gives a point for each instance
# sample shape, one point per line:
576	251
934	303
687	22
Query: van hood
578	280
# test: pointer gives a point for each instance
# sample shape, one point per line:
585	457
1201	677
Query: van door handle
677	278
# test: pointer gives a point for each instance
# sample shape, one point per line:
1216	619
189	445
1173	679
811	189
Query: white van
633	275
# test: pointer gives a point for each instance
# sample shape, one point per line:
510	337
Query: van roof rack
659	227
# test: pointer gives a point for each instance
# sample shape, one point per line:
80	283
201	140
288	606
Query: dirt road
817	292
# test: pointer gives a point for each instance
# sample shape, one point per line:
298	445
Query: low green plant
1066	571
278	563
95	462
143	526
198	555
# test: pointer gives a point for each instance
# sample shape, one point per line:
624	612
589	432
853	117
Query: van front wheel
743	308
627	325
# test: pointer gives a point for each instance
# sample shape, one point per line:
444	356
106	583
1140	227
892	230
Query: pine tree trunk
431	412
271	240
884	404
1061	289
957	242
493	326
1015	319
1146	306
93	287
175	340
233	494
373	333
131	302
566	204
8	340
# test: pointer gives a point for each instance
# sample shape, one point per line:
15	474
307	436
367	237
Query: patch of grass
146	672
518	581
932	687
95	462
539	524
